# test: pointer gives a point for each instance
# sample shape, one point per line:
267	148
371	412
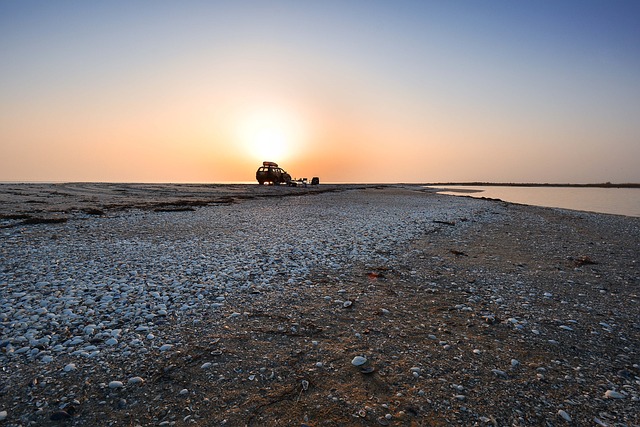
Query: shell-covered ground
249	308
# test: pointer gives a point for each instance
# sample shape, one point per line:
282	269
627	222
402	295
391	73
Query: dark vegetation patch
28	220
175	209
93	211
451	223
34	221
15	216
189	205
582	260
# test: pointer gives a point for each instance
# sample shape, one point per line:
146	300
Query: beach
329	305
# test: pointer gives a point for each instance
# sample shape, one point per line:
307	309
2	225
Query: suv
270	173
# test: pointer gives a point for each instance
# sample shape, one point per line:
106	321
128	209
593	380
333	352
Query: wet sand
233	305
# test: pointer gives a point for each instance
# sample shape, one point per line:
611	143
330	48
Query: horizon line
450	183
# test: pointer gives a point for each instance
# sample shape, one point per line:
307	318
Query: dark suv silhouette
270	173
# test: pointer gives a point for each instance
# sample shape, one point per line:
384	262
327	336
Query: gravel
484	302
109	285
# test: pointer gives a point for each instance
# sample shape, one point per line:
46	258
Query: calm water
620	201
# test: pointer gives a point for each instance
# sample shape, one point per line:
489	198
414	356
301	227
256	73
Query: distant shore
535	184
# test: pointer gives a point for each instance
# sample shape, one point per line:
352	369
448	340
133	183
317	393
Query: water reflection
620	201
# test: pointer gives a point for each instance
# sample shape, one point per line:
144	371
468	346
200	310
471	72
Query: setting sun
269	143
271	135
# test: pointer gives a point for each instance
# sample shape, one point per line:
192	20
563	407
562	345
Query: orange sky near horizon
348	91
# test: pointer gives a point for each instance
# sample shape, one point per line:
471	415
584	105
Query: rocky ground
254	311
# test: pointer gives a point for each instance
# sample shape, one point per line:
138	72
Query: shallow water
619	201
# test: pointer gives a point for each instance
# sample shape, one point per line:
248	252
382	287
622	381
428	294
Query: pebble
563	414
116	384
135	380
612	394
3	415
206	365
70	367
359	361
499	373
184	392
165	347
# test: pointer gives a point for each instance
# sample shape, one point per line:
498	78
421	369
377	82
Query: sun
271	135
270	142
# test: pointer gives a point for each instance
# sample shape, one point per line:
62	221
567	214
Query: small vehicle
270	173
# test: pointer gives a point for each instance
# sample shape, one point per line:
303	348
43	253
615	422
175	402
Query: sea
618	201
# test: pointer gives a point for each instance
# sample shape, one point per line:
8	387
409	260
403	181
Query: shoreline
522	184
250	312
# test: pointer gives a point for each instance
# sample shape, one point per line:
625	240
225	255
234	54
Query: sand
468	311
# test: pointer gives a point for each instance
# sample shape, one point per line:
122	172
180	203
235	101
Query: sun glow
270	143
271	135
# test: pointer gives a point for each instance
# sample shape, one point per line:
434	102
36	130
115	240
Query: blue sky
435	90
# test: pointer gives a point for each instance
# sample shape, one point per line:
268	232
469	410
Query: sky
349	91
